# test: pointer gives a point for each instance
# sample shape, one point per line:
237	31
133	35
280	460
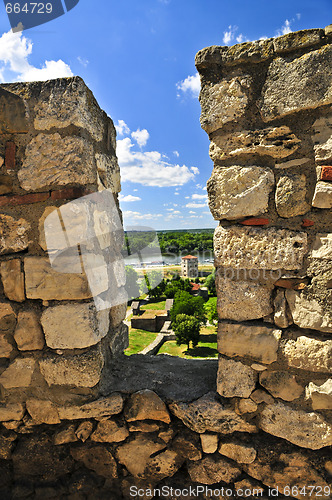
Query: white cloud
199	197
195	170
129	198
15	50
176	153
298	15
148	168
83	61
141	137
129	214
196	205
176	193
191	212
122	128
191	85
229	36
286	28
240	38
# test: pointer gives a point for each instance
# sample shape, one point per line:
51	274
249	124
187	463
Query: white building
189	266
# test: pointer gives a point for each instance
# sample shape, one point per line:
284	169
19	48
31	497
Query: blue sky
137	56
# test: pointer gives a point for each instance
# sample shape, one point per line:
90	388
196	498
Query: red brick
10	155
69	193
307	223
255	221
24	199
326	174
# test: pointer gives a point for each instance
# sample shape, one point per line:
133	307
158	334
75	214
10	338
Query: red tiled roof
189	257
195	287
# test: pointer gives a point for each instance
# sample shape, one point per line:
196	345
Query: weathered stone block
212	470
245	405
321	395
255	248
224	102
281	385
282	317
84	430
322	139
297	40
259	343
322	247
236	192
103	407
11	411
238	452
144	405
277	142
6	348
43	411
13	280
136	454
308	312
293	85
7	318
98	459
309	354
13	234
81	370
53	161
323	195
291	195
242	300
74	326
305	429
235	379
18	374
28	333
209	442
13	113
109	172
248	52
109	431
119	340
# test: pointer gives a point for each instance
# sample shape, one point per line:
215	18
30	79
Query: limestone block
282	316
292	163
13	113
6	348
277	142
118	314
81	370
103	407
254	248
136	454
18	374
43	411
245	52
323	195
28	333
238	452
308	312
119	340
304	429
187	445
163	465
69	102
13	280
109	431
109	172
11	411
261	396
242	300
297	40
209	442
207	414
97	458
291	195
321	395
309	354
84	431
293	85
281	384
13	234
74	326
259	343
235	379
236	192
7	318
212	470
224	102
141	426
322	139
75	220
322	247
144	405
53	161
245	406
66	436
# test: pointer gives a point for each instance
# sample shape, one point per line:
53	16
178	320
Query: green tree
211	310
184	303
210	283
187	330
155	283
132	287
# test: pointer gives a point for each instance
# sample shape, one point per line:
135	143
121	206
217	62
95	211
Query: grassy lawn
138	340
156	306
206	348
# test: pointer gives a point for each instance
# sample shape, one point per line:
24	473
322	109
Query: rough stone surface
109	431
235	379
292	84
187	444
13	234
81	370
307	312
163	465
135	455
277	142
238	452
18	374
28	333
53	161
13	280
259	343
323	195
6	348
224	102
84	326
11	411
322	246
291	194
242	300
282	317
236	192
309	354
98	459
144	405
140	426
109	172
212	470
320	395
304	429
207	414
42	411
65	436
265	248
243	406
84	431
297	40
103	407
322	139
7	318
209	442
281	385
69	102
